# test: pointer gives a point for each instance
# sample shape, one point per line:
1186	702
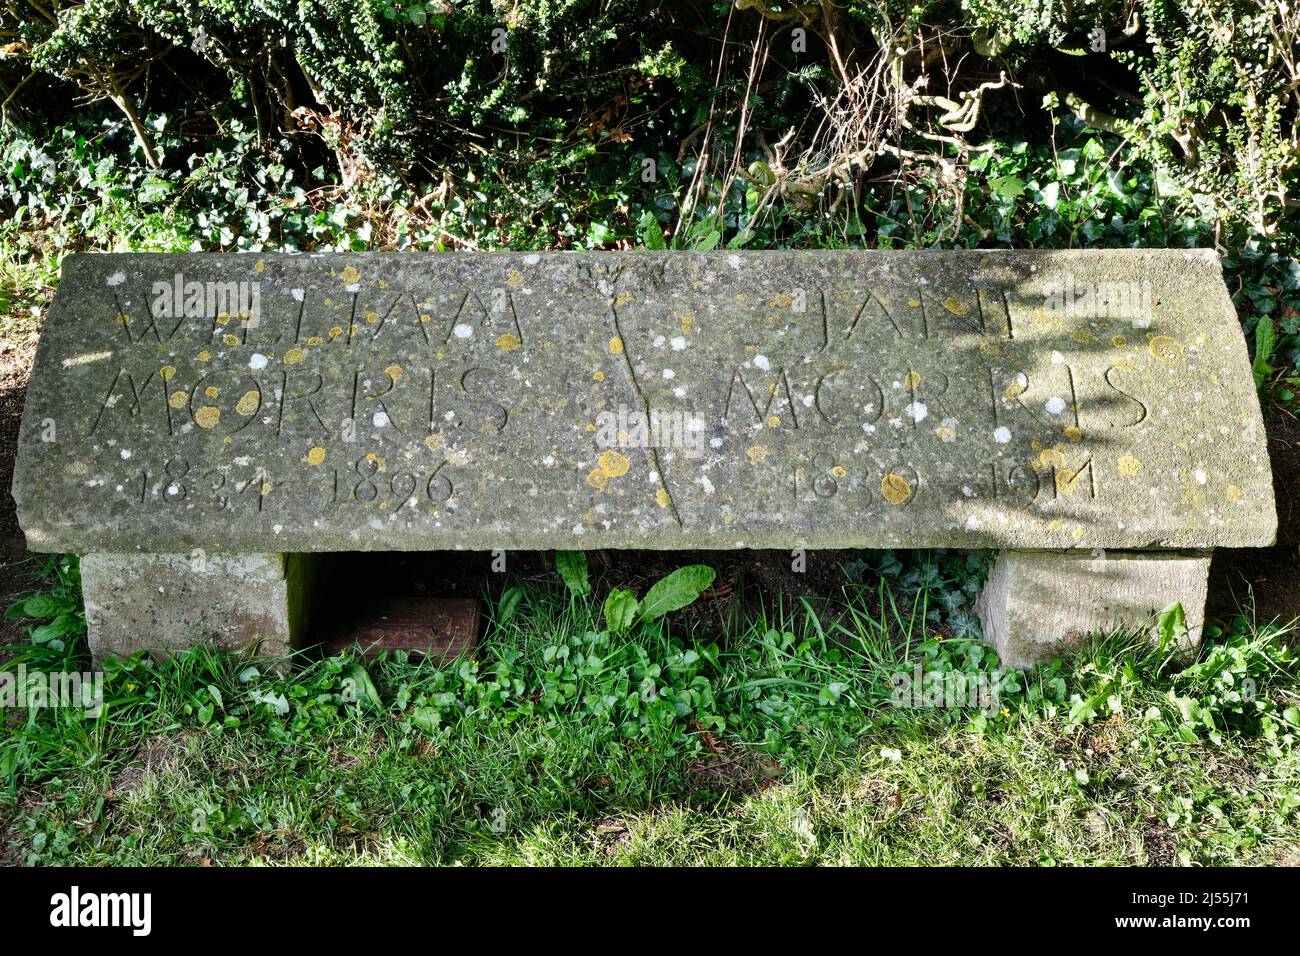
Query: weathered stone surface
166	602
843	399
1037	604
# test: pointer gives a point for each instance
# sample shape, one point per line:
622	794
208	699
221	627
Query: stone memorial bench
200	427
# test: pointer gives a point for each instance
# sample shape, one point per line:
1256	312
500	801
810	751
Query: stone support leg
1039	604
166	602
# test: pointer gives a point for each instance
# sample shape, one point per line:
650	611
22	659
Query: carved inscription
365	402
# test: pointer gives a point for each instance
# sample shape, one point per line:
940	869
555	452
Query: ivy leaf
1008	187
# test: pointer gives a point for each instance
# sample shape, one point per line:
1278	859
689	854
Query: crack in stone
645	410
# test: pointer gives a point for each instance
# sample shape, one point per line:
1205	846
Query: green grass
26	282
771	743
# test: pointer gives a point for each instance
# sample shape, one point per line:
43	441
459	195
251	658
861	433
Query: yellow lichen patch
1015	389
259	266
124	319
508	342
371	456
350	275
167	371
955	307
757	454
1129	466
688	322
1067	482
914	303
912	379
895	489
1055	524
294	356
946	433
315	455
514	278
623	298
597	478
616	345
741	297
265	489
1232	492
598	375
1076	532
838	471
231	340
1045	322
727	519
207	416
223	319
780	301
1118	341
1082	336
204	356
212	391
315	340
394	372
335	332
177	399
1074	433
372	317
613	463
249	402
773	421
434	442
1049	458
425	317
1166	348
662	499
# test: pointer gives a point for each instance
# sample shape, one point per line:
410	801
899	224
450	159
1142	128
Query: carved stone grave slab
283	404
